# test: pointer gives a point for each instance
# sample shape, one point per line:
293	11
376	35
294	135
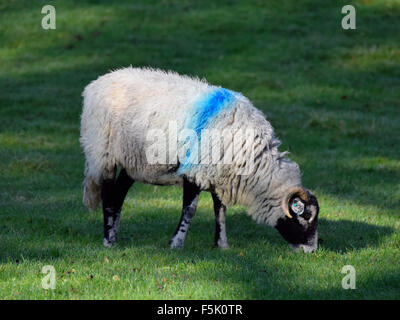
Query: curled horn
295	190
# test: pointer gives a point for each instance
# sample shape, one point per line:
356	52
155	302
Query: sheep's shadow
346	235
338	236
151	228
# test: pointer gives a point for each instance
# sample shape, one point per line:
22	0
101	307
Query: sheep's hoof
222	245
107	243
176	244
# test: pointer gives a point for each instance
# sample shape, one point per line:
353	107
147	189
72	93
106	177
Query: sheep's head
298	225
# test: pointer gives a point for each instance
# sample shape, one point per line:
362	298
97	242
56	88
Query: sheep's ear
312	206
296	206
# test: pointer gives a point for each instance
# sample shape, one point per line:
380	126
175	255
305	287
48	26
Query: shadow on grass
338	236
153	227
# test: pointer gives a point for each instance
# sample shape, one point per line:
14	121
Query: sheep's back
120	109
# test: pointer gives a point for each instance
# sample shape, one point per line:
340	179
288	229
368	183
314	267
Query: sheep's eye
297	206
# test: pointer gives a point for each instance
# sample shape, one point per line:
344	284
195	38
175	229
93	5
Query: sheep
124	110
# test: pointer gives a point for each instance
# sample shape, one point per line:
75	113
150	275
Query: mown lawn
332	95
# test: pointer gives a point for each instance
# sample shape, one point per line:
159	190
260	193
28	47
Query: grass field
332	96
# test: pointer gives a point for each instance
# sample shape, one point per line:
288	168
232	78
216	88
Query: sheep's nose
308	249
305	248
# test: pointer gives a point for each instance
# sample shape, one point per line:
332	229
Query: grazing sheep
128	121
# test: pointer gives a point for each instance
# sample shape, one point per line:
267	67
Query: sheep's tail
91	193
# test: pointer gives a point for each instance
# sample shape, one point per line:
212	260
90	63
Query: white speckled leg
190	198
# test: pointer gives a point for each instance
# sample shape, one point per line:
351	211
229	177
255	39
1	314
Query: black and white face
299	228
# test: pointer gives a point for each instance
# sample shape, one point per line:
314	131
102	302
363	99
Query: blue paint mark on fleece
203	112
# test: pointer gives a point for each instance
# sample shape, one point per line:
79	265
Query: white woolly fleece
122	107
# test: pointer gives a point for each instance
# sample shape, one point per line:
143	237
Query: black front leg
191	194
220	227
113	194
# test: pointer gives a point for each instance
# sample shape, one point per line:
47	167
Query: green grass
332	96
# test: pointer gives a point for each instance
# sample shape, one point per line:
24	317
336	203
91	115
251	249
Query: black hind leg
113	193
